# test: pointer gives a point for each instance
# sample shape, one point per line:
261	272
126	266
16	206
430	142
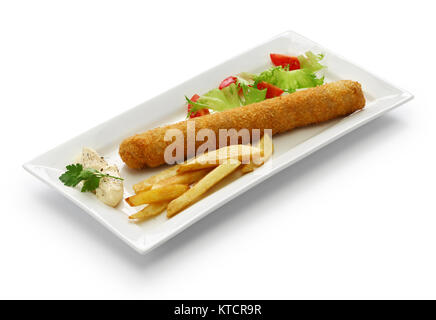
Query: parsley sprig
91	177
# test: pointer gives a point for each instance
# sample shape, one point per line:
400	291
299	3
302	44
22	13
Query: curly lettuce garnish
289	81
309	62
227	98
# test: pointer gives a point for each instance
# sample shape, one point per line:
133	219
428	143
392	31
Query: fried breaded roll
279	114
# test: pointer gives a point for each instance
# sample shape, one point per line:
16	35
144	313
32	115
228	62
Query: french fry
267	146
142	186
194	166
148	183
183	178
164	193
149	211
216	157
249	167
193	194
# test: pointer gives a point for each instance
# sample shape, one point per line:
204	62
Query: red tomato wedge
271	90
283	60
199	113
227	81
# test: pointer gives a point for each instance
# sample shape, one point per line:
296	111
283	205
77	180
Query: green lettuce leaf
217	100
251	93
290	81
227	98
310	61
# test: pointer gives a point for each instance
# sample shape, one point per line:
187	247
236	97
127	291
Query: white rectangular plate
289	147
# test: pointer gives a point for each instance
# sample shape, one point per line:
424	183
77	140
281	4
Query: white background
354	220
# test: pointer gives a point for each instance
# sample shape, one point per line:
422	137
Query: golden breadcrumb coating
279	114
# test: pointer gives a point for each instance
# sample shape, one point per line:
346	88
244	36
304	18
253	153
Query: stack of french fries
181	185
